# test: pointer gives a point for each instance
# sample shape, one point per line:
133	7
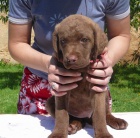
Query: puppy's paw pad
74	127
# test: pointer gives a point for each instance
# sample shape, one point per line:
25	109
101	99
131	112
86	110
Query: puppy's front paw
74	126
116	123
57	135
104	136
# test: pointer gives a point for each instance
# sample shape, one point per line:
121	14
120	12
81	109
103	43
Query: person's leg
33	94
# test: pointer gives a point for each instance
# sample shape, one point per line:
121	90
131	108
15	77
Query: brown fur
77	40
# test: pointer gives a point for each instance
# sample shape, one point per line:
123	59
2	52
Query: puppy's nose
71	59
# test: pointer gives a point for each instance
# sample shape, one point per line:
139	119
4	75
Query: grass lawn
10	77
124	86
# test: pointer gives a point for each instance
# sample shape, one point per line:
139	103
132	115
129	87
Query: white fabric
39	126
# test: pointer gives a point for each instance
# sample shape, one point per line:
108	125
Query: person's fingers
63	72
60	90
55	93
104	62
100	72
99	88
62	79
99	81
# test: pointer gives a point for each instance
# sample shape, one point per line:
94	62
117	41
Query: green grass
124	86
10	78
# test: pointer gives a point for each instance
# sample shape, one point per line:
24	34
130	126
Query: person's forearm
117	48
24	54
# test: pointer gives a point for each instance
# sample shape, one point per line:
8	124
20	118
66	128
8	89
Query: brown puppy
77	40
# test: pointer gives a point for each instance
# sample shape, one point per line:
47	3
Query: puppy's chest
79	100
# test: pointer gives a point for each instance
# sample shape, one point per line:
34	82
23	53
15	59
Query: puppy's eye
62	41
84	40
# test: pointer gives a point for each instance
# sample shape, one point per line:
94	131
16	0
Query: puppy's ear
100	41
55	40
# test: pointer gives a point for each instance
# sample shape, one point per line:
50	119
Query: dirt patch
5	56
4	53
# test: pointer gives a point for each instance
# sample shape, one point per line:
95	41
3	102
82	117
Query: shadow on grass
10	79
126	76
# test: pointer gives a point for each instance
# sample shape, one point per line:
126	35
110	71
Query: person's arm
119	38
20	49
119	41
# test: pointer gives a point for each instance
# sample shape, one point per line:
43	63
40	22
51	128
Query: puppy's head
77	40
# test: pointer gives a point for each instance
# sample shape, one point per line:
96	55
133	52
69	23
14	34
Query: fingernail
78	74
80	78
76	85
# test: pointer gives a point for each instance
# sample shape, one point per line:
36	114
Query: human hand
100	72
60	79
